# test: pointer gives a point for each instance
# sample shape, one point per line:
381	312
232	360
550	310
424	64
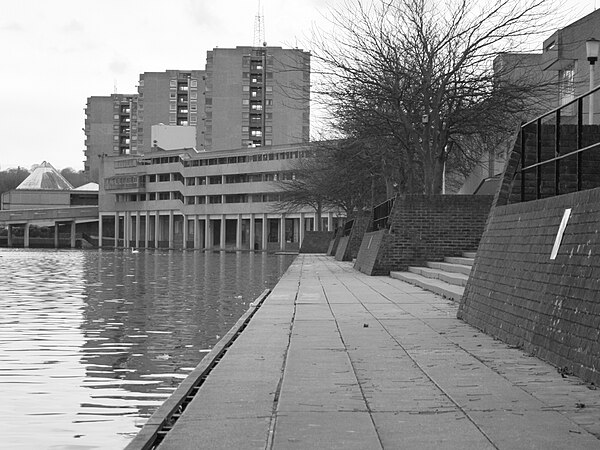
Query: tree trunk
318	215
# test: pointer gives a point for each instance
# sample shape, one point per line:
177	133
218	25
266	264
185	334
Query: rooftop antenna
259	28
115	85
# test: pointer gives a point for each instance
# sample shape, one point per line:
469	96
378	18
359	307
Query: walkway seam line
362	393
273	422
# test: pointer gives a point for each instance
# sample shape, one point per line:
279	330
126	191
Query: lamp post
592	46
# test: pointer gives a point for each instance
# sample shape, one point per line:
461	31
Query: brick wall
316	241
519	295
425	228
349	245
516	293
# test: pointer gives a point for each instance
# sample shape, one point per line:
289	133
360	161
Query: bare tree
338	175
419	76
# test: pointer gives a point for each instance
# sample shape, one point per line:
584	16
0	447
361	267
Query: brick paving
338	359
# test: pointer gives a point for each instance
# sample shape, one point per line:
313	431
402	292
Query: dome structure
45	177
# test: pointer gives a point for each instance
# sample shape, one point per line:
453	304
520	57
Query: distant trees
75	178
11	178
414	82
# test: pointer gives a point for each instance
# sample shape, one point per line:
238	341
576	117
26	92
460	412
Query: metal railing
381	214
555	151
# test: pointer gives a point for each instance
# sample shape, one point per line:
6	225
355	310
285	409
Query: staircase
447	278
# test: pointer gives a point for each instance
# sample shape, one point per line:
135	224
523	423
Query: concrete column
252	240
156	229
73	234
137	229
282	232
9	241
223	228
196	232
302	229
185	231
264	232
147	230
56	230
100	231
238	232
171	229
116	229
126	219
26	235
329	221
206	231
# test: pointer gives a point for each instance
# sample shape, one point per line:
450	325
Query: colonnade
27	225
167	229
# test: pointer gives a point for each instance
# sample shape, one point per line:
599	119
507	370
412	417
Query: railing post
579	141
557	154
538	159
523	140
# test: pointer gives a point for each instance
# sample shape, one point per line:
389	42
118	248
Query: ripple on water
92	342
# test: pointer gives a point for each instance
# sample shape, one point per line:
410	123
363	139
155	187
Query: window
201	200
215	179
194	95
245	129
566	78
173	95
164	196
152	196
194	83
190	200
214	199
173	83
245	102
246	88
116	117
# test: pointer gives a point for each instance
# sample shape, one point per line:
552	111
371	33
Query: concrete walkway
338	359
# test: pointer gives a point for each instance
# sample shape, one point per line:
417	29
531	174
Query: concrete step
459	260
469	254
433	285
457	279
449	267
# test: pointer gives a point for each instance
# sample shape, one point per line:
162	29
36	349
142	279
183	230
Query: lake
92	342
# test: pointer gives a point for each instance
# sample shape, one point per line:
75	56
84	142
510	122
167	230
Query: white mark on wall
561	232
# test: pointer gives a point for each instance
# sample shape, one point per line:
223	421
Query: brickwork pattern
519	295
426	228
316	241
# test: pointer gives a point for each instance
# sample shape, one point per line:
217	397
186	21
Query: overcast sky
56	53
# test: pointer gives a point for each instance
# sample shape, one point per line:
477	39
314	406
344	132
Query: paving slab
337	359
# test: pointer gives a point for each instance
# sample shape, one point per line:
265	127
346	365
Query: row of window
200	199
215	179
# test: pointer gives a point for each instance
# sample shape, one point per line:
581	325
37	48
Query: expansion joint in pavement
362	392
273	421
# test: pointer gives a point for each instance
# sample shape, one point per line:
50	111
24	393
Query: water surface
92	342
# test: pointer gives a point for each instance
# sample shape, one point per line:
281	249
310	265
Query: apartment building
246	96
108	122
226	199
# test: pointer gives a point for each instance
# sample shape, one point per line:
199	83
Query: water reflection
91	343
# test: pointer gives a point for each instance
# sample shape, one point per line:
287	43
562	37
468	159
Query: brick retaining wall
425	228
516	292
519	295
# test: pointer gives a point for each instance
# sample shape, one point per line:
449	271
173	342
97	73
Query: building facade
564	67
108	124
203	200
245	97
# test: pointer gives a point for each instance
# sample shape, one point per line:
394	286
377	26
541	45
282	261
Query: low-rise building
188	199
